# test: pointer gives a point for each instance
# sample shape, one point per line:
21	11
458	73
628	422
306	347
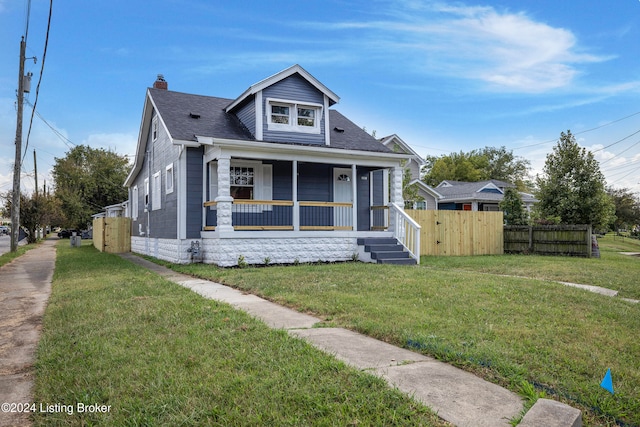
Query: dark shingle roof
347	135
177	108
459	190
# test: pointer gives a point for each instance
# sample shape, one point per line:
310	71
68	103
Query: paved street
5	243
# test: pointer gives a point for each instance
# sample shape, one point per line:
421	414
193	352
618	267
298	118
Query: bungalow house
476	196
272	176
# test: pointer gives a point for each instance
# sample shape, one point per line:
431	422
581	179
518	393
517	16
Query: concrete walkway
25	286
455	395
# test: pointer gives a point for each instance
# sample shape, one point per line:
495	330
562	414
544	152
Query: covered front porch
302	189
274	207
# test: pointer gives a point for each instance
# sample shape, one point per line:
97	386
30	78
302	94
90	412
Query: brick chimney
160	83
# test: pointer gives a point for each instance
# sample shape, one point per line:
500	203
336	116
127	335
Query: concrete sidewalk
455	395
25	286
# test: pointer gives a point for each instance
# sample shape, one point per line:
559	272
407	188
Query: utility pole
35	170
17	166
36	199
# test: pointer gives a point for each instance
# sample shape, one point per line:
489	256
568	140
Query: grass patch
7	257
612	270
116	334
561	340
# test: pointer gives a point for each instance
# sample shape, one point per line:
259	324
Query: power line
63	138
623	177
44	57
617	142
623	151
584	131
26	24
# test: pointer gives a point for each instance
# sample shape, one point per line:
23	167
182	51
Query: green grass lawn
154	353
613	270
7	257
506	329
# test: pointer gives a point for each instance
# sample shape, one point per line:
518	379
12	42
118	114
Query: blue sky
444	76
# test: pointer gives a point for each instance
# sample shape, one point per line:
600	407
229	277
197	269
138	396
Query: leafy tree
87	180
460	166
478	165
572	186
503	165
513	208
627	208
36	211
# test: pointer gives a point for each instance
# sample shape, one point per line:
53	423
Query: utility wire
623	177
26	25
64	139
44	57
626	149
585	131
617	142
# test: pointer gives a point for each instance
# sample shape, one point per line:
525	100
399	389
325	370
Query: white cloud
121	143
505	50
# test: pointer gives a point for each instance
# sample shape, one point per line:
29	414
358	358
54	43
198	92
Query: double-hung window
168	181
292	116
249	180
242	182
156	198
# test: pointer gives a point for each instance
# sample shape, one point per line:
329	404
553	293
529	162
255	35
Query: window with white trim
250	180
293	116
156	198
154	129
134	202
146	194
168	181
242	182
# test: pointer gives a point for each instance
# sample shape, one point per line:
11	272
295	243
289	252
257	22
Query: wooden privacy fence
459	232
112	235
573	240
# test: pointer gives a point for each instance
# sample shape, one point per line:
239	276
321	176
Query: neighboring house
476	196
414	164
273	176
418	195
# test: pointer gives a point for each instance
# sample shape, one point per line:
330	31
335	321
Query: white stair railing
406	231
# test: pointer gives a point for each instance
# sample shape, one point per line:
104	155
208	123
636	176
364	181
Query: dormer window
280	114
289	116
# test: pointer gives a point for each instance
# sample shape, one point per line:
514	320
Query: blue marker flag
607	382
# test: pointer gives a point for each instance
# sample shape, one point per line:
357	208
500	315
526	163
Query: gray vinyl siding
282	185
162	223
293	88
194	192
247	115
315	182
364	198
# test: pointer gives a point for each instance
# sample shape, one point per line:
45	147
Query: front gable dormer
290	106
490	188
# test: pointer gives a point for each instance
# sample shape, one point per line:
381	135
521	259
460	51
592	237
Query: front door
342	193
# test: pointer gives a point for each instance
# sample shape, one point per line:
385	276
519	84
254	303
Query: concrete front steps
384	250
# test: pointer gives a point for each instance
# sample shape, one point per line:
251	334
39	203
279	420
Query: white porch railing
285	215
406	231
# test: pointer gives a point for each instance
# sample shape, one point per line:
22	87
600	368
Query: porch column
294	196
224	199
396	194
396	186
354	192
